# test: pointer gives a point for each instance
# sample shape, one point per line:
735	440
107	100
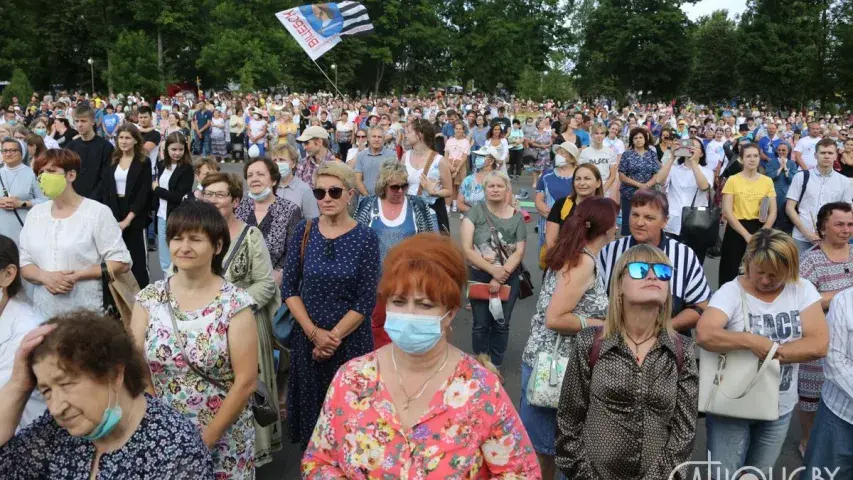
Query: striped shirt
688	285
837	392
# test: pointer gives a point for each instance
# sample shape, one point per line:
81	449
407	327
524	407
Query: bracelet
335	331
313	334
583	320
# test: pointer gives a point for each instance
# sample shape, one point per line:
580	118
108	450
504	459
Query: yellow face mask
52	184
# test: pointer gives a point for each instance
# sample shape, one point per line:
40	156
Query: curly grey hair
389	172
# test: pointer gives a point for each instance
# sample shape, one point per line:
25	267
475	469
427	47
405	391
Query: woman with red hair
572	298
421	406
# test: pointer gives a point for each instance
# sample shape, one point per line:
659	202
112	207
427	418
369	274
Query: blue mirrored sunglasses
639	270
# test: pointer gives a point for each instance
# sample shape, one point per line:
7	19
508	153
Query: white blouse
88	237
17	319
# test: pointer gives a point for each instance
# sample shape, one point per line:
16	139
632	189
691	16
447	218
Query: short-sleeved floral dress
206	335
543	155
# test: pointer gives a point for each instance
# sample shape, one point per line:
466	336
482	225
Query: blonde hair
615	322
598	127
338	170
389	171
496	174
285	149
775	252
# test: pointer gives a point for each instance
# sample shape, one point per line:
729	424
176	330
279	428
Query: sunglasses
397	188
361	136
639	270
334	192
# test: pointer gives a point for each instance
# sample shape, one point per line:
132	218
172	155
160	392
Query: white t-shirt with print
778	320
603	159
616	144
714	154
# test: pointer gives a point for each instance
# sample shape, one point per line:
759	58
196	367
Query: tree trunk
160	54
109	74
379	75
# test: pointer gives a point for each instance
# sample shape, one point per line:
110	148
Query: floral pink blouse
471	430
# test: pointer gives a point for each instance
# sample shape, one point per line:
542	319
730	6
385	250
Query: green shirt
510	230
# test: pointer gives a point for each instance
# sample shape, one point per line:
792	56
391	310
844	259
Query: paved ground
286	463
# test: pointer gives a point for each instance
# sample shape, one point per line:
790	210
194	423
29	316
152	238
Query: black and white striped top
688	285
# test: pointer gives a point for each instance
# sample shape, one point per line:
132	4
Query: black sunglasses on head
334	192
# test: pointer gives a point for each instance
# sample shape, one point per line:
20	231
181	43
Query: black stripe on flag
356	20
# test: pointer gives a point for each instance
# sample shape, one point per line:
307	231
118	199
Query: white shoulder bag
546	381
738	384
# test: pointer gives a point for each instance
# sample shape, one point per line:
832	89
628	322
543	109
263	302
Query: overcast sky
705	7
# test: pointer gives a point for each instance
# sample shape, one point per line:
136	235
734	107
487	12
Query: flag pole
327	77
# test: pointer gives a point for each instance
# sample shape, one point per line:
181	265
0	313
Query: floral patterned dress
543	155
205	332
470	430
593	304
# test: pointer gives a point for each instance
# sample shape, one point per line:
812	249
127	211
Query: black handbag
261	402
700	226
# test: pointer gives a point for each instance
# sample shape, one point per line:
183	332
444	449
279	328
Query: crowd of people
340	224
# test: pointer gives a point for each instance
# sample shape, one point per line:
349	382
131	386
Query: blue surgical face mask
283	169
109	420
413	334
259	197
479	162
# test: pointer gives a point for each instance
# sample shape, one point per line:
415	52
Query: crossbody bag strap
180	342
6	194
494	233
427	167
235	249
305	236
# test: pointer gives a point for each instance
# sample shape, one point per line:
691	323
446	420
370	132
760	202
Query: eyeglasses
211	194
10	151
397	188
334	192
639	270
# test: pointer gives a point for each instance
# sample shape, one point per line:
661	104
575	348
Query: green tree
133	60
713	77
842	55
495	41
778	51
19	86
632	47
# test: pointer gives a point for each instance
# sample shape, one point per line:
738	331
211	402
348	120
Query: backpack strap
596	348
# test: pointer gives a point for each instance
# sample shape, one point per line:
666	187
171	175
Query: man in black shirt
502	120
150	135
95	153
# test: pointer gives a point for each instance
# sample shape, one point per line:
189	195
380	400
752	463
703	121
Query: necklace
409	398
637	344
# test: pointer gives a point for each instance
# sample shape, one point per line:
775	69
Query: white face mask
283	169
560	161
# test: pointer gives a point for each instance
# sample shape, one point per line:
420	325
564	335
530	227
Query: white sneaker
454	209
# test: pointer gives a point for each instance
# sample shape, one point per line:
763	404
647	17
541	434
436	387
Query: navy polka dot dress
339	275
